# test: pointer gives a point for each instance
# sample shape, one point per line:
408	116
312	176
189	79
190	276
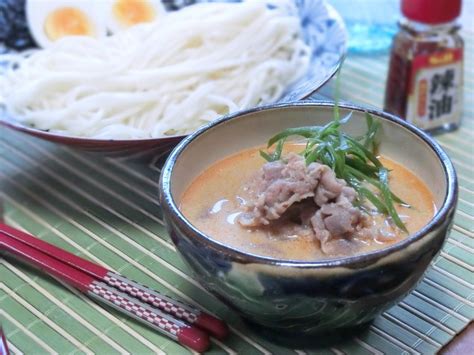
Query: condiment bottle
425	80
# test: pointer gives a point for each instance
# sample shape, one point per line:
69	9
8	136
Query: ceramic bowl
301	296
322	29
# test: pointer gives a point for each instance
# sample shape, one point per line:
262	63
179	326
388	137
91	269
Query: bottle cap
431	11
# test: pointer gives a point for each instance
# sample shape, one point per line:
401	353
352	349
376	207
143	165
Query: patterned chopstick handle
174	307
178	309
165	323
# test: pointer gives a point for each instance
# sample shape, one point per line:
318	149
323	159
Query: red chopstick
3	343
178	309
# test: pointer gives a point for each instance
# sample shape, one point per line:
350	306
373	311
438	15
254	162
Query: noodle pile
163	78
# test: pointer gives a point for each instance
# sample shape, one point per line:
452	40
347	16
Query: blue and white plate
323	31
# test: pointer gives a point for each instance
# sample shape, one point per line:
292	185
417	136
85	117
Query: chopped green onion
387	196
276	155
265	155
352	159
306	132
372	129
379	205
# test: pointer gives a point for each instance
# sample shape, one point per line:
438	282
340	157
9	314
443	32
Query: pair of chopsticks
183	323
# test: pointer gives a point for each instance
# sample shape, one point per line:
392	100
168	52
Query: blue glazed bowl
301	296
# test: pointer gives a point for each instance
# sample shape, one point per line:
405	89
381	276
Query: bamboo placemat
105	210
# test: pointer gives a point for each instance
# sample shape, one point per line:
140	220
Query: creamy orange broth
213	200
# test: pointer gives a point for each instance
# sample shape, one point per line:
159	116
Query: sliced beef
340	247
329	188
278	187
293	196
336	220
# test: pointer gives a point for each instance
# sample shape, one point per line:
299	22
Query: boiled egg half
122	14
50	20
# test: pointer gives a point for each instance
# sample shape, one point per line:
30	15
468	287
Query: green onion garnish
352	159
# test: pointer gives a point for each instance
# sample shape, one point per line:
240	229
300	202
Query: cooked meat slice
302	198
320	230
277	188
272	170
336	220
339	247
329	187
347	194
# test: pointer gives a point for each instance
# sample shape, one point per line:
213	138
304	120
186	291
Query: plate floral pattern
323	31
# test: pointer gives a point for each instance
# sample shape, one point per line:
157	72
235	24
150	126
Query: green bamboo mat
105	210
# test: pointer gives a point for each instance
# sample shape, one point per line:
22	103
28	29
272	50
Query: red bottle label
435	89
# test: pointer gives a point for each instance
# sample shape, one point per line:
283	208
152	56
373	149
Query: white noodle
163	78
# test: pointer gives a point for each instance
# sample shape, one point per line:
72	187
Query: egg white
37	12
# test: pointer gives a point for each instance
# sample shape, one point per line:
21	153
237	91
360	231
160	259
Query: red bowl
109	147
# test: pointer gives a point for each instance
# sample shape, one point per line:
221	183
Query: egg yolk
67	21
132	12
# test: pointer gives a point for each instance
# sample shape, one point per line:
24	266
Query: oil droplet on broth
232	217
217	207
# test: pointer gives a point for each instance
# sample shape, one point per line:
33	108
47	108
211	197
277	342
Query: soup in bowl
304	220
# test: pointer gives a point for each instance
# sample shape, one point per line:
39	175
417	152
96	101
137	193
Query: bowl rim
449	203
